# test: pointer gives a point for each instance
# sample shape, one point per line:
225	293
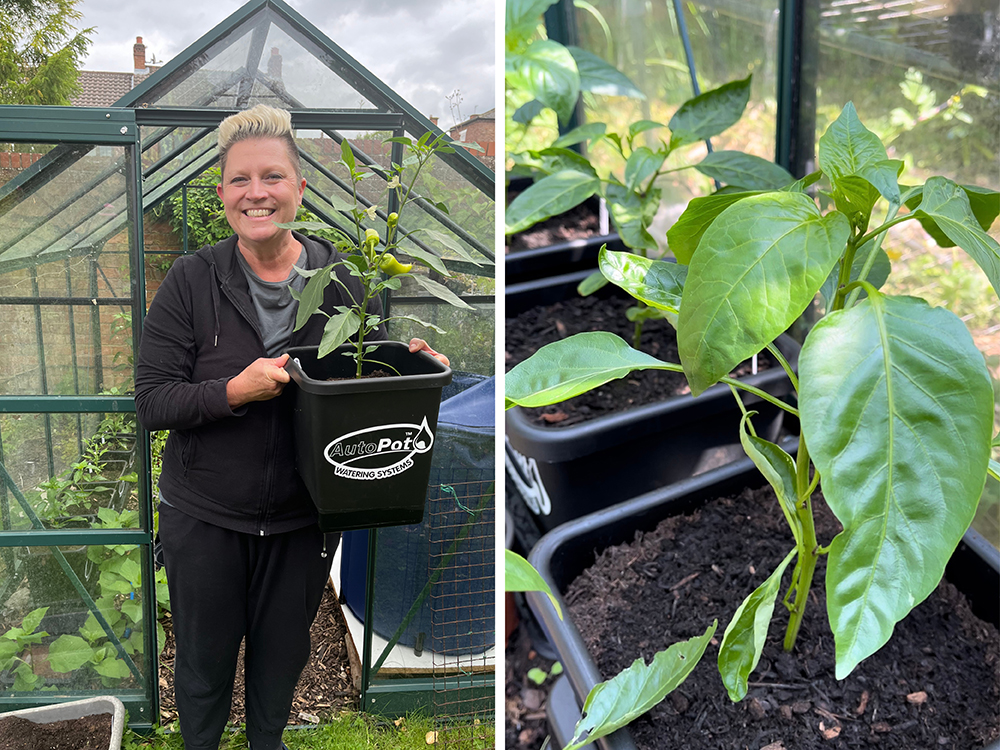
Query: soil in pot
84	733
579	222
532	329
935	684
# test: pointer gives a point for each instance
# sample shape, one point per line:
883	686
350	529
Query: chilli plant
895	401
370	257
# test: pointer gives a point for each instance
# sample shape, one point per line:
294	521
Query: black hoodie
234	469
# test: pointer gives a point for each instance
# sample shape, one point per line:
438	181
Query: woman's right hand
261	380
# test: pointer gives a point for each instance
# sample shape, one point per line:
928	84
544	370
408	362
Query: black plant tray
563	554
564	473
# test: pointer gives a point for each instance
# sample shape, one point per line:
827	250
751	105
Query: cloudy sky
422	49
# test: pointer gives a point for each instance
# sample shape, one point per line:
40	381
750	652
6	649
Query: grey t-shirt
275	307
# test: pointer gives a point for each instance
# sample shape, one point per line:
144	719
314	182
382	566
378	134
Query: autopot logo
523	471
378	452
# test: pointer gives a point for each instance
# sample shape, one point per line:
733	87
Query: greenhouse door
77	581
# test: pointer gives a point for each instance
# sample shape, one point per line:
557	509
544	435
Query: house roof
104	88
490	114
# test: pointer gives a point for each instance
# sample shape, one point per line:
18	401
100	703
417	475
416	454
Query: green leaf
855	160
632	213
553	160
778	469
985	205
658	283
709	113
633	691
338	329
428	259
25	680
947	205
441	292
896	407
91	628
161	638
304	225
744	170
132	572
642	126
580	134
522	16
520	575
591	284
452	243
746	633
347	155
424	323
115	669
537	676
755	271
642	164
311	296
8	650
548	72
132	609
601	78
68	653
550	196
685	234
33	619
575	365
528	112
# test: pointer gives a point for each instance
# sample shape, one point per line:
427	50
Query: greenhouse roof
264	53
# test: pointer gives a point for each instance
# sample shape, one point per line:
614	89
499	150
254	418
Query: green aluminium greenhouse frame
135	117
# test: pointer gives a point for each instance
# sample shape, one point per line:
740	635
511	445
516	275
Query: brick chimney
274	64
139	56
434	120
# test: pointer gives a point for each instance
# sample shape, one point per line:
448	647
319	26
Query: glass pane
65	646
923	77
260	63
65	271
468	337
289	69
642	39
64	471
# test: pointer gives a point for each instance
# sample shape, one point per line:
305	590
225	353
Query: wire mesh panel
463	630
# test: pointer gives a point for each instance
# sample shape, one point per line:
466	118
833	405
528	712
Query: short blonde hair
257	122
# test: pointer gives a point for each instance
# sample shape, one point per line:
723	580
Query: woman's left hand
417	345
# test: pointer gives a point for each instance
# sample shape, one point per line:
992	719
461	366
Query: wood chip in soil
325	688
935	684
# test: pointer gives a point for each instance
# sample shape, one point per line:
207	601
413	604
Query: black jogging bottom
225	585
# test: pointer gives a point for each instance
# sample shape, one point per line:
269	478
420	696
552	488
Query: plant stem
808	548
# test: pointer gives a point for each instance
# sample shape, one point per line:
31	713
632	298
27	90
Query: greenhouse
97	204
752	307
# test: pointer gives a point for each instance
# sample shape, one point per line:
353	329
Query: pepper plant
369	257
894	399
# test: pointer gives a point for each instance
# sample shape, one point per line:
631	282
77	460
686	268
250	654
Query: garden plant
371	258
894	399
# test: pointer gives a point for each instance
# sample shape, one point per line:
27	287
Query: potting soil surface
936	684
84	733
324	690
577	223
532	329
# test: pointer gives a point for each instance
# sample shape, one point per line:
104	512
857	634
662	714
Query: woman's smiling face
259	187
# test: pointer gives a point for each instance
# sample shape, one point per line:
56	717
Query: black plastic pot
563	554
363	446
565	473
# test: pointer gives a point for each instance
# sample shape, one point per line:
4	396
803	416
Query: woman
243	553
